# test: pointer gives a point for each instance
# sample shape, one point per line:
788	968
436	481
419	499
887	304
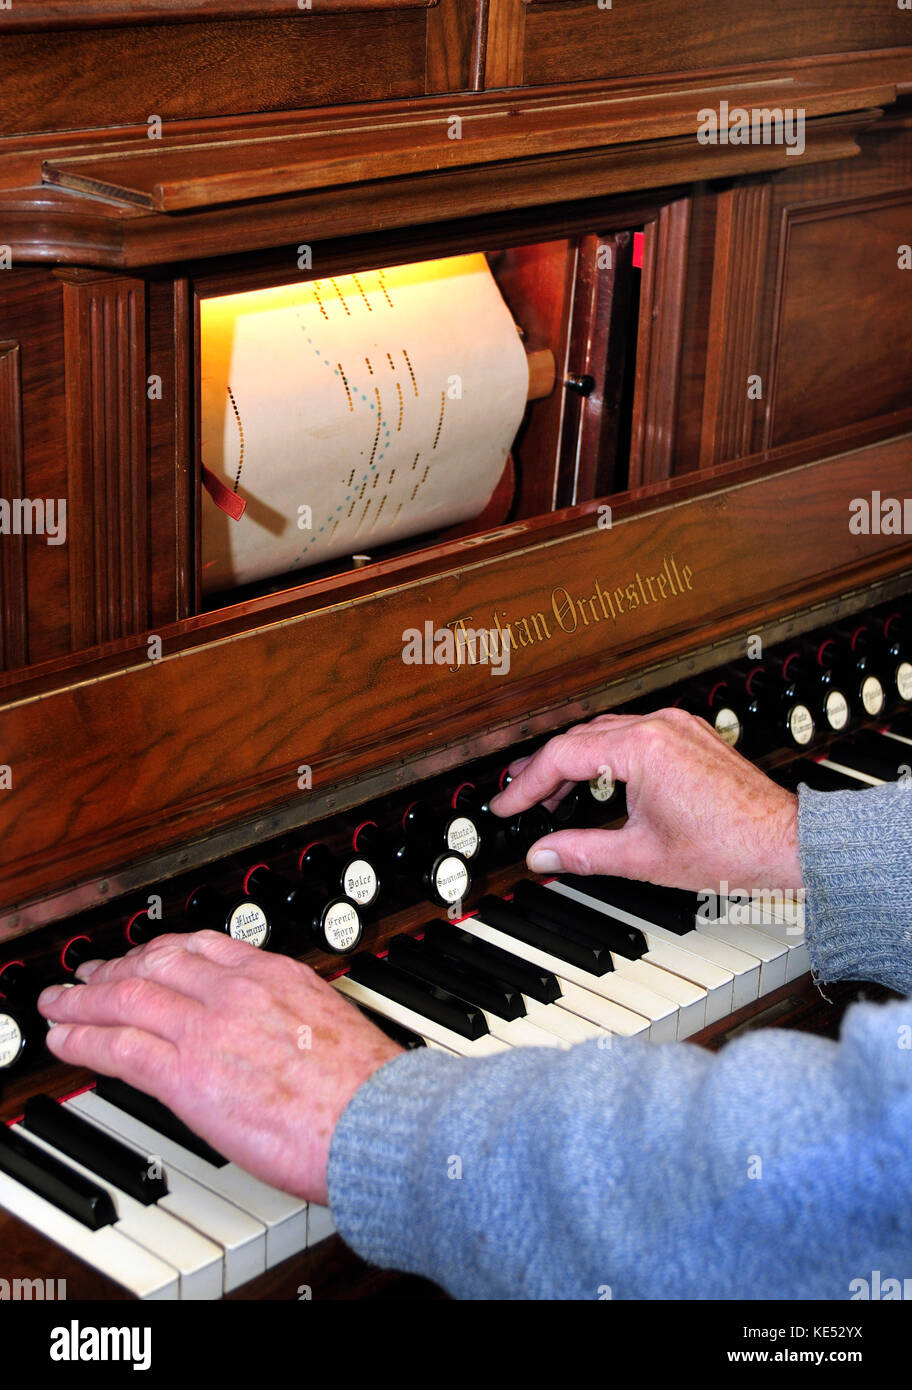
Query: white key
714	982
319	1223
484	1046
864	777
241	1237
561	1022
575	999
283	1215
772	955
625	988
661	1013
197	1260
144	1274
744	968
521	1032
688	999
614	1016
785	925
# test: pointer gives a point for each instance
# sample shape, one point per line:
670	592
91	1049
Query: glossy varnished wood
226	748
571	40
318	153
47	223
272	62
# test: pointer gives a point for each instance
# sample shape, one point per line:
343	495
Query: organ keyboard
110	1177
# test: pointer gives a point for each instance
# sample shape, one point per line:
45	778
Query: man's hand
254	1051
698	812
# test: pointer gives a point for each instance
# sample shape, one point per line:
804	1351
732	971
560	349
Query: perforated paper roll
354	411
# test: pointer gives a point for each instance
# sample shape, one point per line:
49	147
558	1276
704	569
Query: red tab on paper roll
231	504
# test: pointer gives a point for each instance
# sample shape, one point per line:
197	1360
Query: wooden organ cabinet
696	399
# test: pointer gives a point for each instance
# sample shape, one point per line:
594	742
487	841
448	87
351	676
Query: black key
819	779
436	1004
871	753
419	958
547	907
55	1181
672	908
151	1112
104	1155
532	980
586	954
395	1031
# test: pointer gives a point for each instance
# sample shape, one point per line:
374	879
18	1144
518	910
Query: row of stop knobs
324	898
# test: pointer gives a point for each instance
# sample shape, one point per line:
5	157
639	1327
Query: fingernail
88	968
544	861
492	804
59	1032
48	997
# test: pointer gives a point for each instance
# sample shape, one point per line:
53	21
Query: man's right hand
698	812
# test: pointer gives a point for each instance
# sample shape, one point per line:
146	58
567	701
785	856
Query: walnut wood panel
844	350
50	78
733	419
658	361
573	40
105	326
59	225
13	599
736	274
95	14
158	752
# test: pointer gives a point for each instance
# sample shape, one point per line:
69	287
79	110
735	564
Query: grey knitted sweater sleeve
856	856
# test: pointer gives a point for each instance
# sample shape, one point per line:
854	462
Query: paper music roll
354	411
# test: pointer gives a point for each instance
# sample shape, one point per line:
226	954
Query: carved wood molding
13	579
105	337
731	419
